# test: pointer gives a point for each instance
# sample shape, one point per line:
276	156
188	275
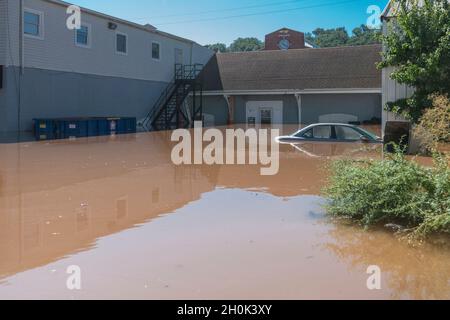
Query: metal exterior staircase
171	110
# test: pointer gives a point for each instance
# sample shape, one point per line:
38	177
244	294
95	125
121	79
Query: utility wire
226	9
258	14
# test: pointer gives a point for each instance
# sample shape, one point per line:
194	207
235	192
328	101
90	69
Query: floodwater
139	227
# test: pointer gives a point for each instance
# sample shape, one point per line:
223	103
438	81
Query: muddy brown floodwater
141	228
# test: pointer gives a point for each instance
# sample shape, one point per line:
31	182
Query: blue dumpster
127	125
64	128
73	128
107	126
93	127
44	129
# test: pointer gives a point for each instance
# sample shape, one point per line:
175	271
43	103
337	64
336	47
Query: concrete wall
46	93
216	106
9	100
363	106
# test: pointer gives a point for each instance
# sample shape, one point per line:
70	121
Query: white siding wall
57	51
392	91
12	24
3	30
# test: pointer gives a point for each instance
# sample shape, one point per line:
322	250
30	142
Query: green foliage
364	35
418	47
246	44
434	125
394	190
339	37
218	47
320	37
238	45
328	37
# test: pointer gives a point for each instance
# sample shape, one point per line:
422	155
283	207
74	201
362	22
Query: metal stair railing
183	73
160	103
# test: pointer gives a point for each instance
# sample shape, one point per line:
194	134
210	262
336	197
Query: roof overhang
292	92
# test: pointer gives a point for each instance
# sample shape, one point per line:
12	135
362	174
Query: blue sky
211	21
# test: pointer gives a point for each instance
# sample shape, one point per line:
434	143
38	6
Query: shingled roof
302	69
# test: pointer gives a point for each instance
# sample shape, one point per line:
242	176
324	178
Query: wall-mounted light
112	26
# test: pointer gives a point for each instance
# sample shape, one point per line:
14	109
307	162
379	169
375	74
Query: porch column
231	105
298	97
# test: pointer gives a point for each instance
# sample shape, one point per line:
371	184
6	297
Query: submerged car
331	132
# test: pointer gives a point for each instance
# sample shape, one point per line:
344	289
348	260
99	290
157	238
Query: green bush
434	125
394	190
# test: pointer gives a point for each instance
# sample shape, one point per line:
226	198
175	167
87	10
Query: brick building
286	39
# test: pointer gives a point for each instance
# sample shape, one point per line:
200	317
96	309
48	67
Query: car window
319	132
347	133
322	132
308	134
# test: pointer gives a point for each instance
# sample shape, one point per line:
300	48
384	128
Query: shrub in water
434	126
392	191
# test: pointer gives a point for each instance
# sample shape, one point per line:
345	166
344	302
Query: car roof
332	124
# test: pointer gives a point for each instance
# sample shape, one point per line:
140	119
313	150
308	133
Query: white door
264	112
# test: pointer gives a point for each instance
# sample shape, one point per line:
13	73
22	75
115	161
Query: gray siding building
109	67
299	86
391	89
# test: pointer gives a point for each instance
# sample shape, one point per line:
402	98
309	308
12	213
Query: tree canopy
238	45
339	37
246	44
418	47
218	47
322	38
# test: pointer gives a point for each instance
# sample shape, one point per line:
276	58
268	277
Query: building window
83	36
156	51
179	56
33	23
121	43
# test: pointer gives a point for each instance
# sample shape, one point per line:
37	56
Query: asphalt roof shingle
302	69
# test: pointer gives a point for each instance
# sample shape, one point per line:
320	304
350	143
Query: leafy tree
328	37
246	44
418	47
364	35
217	47
339	37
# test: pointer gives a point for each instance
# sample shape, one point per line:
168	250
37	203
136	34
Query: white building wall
57	50
3	31
392	90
